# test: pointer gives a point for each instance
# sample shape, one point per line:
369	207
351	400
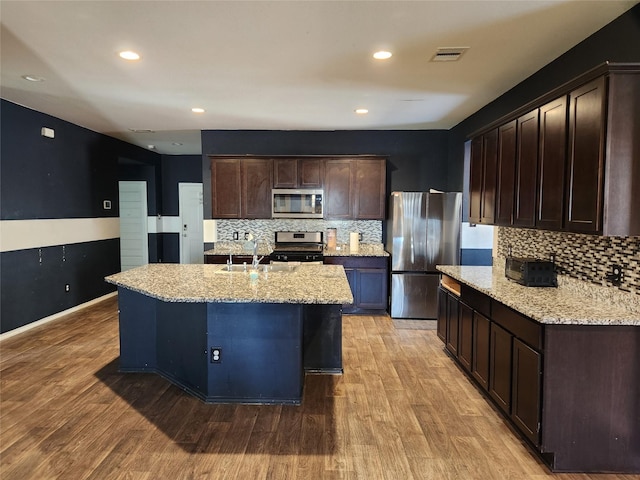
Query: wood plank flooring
401	411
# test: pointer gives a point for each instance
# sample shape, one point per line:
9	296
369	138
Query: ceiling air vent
448	54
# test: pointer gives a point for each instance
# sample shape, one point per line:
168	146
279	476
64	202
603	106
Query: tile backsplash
583	257
264	230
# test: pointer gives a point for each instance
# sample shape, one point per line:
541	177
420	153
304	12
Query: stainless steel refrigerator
424	231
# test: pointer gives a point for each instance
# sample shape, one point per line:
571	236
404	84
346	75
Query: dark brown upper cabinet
524	211
483	179
585	173
298	172
339	186
241	187
370	189
578	157
603	165
475	180
551	164
225	188
506	173
490	176
257	179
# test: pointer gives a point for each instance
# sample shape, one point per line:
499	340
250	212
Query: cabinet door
285	173
506	173
310	172
370	189
585	169
257	179
526	170
226	188
475	180
353	284
480	349
525	407
371	286
338	188
489	177
500	367
452	324
551	164
442	314
465	339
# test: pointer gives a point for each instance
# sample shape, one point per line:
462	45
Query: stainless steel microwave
297	203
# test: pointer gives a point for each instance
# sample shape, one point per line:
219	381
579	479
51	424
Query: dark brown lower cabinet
500	367
525	402
465	335
368	279
570	391
442	315
480	349
452	324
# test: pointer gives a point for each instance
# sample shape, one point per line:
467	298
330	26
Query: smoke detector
448	54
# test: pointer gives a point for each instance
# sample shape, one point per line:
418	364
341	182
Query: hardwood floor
402	410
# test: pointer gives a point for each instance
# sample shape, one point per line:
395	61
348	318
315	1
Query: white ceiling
277	65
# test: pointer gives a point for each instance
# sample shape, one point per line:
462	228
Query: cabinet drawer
357	262
476	300
525	329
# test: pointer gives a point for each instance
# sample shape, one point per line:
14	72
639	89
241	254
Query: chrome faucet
256	261
230	261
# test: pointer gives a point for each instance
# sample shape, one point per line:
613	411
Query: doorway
134	243
191	221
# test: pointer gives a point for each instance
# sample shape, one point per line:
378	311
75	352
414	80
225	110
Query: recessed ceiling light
177	144
197	110
382	55
151	147
129	55
361	111
33	78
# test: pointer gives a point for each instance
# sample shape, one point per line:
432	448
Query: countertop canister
354	241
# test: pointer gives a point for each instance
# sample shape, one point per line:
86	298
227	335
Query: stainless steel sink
278	267
266	268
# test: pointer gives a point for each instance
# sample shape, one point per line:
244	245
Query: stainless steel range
298	247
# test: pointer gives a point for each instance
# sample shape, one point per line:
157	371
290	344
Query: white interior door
134	243
191	221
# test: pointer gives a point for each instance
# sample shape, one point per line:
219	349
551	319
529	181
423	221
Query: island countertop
305	284
547	305
342	250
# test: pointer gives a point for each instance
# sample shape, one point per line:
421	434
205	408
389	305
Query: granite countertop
547	305
342	250
305	284
364	250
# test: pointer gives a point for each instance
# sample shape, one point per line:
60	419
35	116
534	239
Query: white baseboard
56	316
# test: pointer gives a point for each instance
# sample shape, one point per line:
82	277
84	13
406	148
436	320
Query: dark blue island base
230	352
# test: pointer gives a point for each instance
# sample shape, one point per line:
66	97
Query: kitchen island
562	364
232	336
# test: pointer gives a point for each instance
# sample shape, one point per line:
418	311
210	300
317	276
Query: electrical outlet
246	235
67	287
616	275
216	355
236	235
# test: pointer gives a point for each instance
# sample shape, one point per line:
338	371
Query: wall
174	169
583	257
264	230
55	230
417	160
616	42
